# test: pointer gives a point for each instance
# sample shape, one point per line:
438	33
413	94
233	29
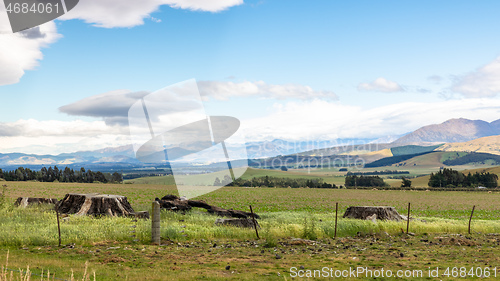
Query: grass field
196	249
426	164
454	205
253	260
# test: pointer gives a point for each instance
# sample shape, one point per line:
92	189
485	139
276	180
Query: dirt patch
454	241
113	260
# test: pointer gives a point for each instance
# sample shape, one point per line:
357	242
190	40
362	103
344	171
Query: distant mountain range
122	154
263	149
453	130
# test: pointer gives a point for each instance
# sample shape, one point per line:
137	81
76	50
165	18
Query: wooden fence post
336	211
472	213
254	223
408	219
155	223
58	227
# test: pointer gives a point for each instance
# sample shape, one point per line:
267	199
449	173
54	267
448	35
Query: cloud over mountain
484	82
223	90
381	85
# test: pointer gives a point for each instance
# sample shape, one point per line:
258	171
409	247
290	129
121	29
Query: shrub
309	229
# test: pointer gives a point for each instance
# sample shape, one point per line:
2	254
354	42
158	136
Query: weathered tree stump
95	204
241	222
174	203
381	212
28	201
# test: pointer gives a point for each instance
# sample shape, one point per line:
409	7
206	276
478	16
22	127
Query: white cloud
223	90
54	137
203	5
302	120
129	13
484	82
34	128
381	85
54	145
22	51
330	120
113	106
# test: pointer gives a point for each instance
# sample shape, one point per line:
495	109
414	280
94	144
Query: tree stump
381	212
95	204
24	202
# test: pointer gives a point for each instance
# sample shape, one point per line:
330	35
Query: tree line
60	175
268	181
369	181
452	178
474	157
386	172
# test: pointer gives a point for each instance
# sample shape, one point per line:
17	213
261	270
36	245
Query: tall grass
25	275
38	226
200	225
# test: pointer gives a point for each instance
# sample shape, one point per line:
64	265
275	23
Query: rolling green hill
249	174
389	161
468	158
413	149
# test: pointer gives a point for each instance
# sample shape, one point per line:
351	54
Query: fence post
336	211
408	219
254	223
472	213
155	223
58	227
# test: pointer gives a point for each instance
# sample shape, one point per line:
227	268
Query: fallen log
174	203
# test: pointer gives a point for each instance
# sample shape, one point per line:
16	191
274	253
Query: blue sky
379	67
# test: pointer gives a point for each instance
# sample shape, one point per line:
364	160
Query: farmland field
332	175
443	204
196	249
